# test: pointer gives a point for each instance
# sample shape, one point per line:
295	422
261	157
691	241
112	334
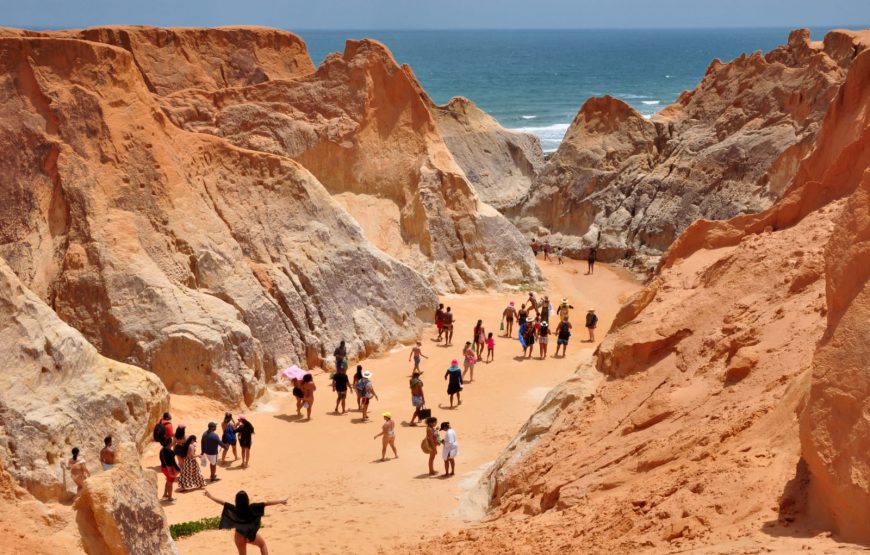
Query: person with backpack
563	334
339	385
591	323
367	392
78	470
245	431
163	429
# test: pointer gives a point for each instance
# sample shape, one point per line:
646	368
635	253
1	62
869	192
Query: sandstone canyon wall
630	186
361	127
726	411
499	163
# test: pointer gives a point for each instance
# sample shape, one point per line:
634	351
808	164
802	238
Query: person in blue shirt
210	443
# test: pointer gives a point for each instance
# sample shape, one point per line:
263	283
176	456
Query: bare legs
391	442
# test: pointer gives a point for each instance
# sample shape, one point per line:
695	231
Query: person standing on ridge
107	454
211	443
245	430
591	323
418	398
417	353
590	261
388	432
509	315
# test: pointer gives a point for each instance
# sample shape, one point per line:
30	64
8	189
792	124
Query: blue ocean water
537	80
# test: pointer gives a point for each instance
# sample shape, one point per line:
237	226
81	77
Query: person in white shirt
450	449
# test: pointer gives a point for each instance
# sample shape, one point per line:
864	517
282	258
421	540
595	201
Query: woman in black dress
454	384
245	430
244	517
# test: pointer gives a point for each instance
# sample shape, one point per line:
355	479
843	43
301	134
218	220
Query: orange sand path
342	498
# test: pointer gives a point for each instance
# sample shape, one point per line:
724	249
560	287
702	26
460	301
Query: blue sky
445	14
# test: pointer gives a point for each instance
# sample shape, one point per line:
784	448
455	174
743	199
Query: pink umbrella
294	372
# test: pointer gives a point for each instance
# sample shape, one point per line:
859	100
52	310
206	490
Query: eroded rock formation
57	392
728	147
209	264
360	125
499	163
730	407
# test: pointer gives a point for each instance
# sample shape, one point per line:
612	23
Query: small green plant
184	529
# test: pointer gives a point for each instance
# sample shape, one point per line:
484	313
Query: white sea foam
647	116
650	102
550	135
528	117
632	96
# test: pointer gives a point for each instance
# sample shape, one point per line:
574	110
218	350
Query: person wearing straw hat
368	392
388	432
508	316
564	309
591	323
543	339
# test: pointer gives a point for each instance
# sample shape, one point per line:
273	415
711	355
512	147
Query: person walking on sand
358	390
563	334
449	449
416	354
340	383
418	398
340	354
388	432
211	443
78	471
163	429
448	322
509	315
169	468
432	441
439	320
479	336
591	324
532	302
529	337
547	251
107	454
298	395
535	246
490	348
368	393
190	476
308	389
454	382
245	431
228	437
543	339
590	260
564	309
559	255
244	518
522	315
546	308
469	359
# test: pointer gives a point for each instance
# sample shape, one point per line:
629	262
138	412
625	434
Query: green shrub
184	529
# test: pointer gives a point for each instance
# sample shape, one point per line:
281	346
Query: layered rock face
360	125
57	392
209	264
731	146
500	164
730	413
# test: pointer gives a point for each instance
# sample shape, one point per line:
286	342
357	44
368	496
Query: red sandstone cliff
727	409
728	147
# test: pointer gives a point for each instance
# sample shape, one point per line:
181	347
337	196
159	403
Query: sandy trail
342	498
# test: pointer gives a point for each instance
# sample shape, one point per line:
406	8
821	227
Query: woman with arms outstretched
244	517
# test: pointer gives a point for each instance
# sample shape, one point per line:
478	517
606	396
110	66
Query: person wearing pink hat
509	315
454	384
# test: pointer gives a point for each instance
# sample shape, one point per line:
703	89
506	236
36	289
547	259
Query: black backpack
159	432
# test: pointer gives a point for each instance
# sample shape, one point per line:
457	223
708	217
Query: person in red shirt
167	425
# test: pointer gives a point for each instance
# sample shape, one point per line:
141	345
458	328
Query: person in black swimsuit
245	430
244	517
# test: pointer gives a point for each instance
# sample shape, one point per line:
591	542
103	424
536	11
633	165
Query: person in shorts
439	320
340	381
245	431
418	398
563	334
210	444
450	449
591	324
543	339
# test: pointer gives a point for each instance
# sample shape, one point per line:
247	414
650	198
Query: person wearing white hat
508	316
388	432
367	392
591	323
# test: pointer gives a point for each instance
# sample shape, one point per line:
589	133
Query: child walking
490	348
417	352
